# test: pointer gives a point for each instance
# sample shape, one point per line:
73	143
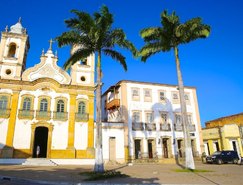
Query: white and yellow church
43	106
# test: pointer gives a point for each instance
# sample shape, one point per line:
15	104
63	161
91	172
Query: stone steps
39	162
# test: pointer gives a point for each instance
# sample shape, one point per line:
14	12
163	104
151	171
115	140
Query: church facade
43	108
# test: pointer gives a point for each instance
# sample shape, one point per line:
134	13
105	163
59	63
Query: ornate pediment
47	68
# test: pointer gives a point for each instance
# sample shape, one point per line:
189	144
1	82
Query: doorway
234	144
150	148
137	143
165	147
112	149
179	144
40	139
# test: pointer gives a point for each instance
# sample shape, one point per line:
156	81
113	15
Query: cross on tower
51	42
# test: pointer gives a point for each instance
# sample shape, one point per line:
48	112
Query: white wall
3	131
81	136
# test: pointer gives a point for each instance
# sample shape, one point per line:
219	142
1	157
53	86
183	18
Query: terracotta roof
218	119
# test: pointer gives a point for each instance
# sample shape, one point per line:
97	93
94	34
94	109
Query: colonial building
150	113
43	105
224	133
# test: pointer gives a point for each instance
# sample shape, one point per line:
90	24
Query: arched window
81	107
12	50
43	105
60	106
26	104
3	102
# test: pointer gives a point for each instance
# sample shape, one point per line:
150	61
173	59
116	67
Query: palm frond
150	33
83	22
116	56
68	38
79	54
151	49
192	30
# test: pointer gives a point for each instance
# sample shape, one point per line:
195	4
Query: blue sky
213	65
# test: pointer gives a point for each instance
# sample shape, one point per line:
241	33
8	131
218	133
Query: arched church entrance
40	142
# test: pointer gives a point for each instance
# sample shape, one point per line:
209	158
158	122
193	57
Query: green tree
168	37
95	35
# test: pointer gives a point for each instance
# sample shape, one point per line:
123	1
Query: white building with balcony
151	117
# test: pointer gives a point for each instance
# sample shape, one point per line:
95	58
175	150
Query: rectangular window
147	93
149	117
175	96
134	92
161	96
136	117
163	117
186	97
189	119
178	119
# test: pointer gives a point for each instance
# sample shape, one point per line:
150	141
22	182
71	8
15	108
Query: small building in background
224	133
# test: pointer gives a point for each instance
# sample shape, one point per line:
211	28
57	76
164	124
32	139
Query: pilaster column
71	123
8	149
90	139
91	123
12	119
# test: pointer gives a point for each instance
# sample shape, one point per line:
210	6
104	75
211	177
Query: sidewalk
138	174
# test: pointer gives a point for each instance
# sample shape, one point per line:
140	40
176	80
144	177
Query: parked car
226	156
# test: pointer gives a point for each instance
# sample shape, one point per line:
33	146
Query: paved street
138	174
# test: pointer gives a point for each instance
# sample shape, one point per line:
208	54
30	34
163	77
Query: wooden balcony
26	114
113	104
165	127
150	126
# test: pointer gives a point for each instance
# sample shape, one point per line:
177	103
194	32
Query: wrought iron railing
43	115
191	128
137	126
178	127
82	117
26	114
165	127
60	116
150	126
4	113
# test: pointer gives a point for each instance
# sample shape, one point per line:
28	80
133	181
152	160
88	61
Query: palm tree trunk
99	165
189	161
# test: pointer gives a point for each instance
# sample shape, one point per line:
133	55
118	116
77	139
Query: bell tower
82	72
14	47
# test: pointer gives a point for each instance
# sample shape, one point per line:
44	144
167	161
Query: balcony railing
178	127
137	126
113	104
43	115
165	127
60	116
26	114
191	128
4	113
150	126
82	117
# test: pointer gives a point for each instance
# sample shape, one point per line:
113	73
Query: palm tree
168	37
95	35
